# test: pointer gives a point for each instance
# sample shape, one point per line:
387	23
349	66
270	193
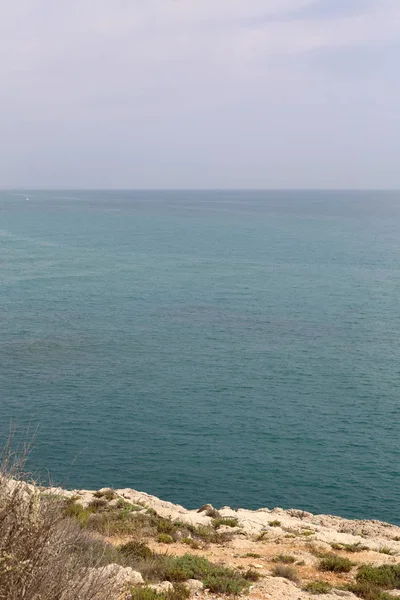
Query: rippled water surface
237	348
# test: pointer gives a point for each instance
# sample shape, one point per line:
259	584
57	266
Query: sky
199	94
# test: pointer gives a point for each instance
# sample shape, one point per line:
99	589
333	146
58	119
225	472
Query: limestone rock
194	586
121	575
165	586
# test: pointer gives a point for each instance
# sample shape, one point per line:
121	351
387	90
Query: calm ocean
238	348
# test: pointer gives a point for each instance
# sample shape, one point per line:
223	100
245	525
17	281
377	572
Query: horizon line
198	189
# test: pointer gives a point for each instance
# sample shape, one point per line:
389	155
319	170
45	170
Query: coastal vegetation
335	563
284	558
59	545
48	550
317	587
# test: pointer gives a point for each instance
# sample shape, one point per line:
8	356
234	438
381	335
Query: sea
240	348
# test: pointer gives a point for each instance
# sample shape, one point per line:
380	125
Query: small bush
154	568
108	494
385	576
208	534
217	578
164	538
210	511
165	526
180	592
135	549
286	572
274	523
97	505
251	575
356	547
335	563
76	511
387	550
227	521
284	558
336	546
123	504
252	555
368	591
191	542
219	584
317	587
110	523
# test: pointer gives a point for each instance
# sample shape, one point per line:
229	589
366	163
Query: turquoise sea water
237	348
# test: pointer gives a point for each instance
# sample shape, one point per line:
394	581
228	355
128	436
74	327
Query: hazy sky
200	93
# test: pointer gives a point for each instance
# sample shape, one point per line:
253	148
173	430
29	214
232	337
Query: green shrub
356	547
252	555
208	534
76	511
251	575
336	546
193	567
368	591
180	592
227	521
385	576
135	549
219	584
165	526
317	587
164	538
121	503
274	523
335	563
217	578
112	523
284	558
108	494
387	550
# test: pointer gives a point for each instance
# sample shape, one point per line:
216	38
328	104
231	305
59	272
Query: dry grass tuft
286	572
43	554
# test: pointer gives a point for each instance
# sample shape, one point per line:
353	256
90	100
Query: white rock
194	586
122	575
165	586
